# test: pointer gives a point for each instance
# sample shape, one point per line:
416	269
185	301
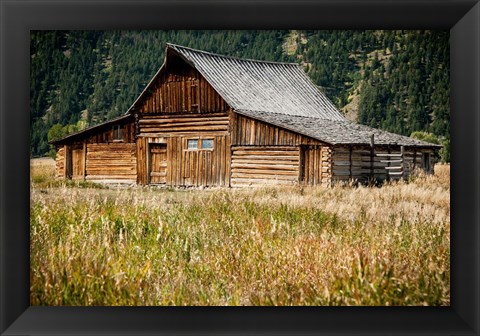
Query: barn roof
282	94
335	132
89	129
253	85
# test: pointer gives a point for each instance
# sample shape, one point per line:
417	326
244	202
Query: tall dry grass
268	246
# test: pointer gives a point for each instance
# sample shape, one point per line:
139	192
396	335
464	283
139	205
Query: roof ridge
231	57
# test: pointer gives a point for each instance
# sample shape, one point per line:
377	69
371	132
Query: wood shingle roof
335	132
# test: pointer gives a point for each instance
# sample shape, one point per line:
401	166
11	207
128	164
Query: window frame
199	144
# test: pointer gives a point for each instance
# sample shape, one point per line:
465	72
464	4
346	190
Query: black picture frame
17	18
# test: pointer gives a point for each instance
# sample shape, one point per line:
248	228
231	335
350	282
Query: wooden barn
211	120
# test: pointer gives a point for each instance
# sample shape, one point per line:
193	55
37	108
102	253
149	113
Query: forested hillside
394	80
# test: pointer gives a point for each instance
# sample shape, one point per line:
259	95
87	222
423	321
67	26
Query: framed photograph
145	154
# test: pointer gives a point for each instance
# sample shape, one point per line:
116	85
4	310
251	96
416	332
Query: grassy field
270	246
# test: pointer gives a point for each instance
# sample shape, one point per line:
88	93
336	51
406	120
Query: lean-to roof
89	129
335	132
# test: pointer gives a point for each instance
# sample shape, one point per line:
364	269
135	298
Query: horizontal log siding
355	163
255	166
248	131
112	161
164	125
60	162
180	88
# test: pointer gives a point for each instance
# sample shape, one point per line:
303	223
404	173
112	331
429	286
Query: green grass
268	246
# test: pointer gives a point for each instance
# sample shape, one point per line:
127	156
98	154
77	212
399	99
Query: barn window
192	144
117	133
207	144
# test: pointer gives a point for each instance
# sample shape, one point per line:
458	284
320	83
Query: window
192	144
117	133
207	144
199	144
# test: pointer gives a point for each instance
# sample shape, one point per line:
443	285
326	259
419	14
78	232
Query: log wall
113	162
359	163
151	125
260	165
60	162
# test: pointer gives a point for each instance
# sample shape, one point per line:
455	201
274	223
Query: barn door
158	163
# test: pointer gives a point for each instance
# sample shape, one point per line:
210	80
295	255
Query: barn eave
88	130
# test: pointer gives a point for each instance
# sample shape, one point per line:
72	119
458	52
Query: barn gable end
181	114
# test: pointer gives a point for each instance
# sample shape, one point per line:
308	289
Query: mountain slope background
394	80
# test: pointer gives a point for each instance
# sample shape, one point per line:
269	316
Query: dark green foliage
401	77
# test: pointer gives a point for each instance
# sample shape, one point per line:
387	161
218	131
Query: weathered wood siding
188	167
78	161
361	164
200	167
260	165
251	132
106	153
309	158
106	134
315	165
181	89
184	124
179	106
158	163
111	162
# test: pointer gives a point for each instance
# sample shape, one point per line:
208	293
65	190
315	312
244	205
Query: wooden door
158	163
78	161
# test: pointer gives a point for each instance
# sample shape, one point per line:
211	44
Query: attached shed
212	120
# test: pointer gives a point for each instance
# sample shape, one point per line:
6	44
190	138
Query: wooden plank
389	155
237	175
394	168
